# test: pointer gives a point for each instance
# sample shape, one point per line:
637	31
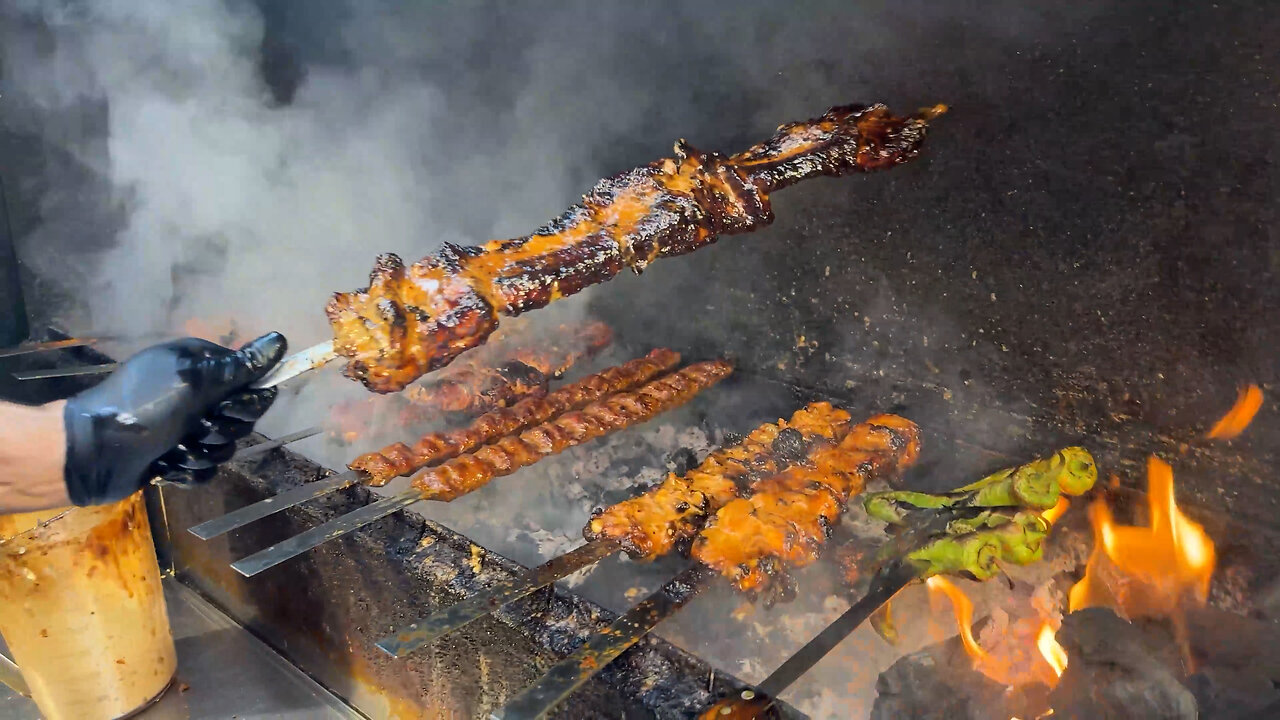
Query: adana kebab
653	523
883	445
411	320
499	381
968	532
379	468
471	471
399	459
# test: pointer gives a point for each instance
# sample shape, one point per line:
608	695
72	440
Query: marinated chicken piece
466	473
411	320
788	518
653	523
510	375
399	459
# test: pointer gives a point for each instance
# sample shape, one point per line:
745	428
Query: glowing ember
1146	570
1240	415
1053	653
964	614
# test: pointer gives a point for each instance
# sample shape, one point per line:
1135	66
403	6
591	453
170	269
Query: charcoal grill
1085	253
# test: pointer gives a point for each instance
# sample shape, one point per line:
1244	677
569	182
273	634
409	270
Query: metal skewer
297	364
603	647
463	613
884	585
263	448
304	541
287	499
46	346
72	371
289	368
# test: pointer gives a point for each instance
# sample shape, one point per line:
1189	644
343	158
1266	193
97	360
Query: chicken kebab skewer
968	532
414	319
471	471
398	459
653	523
751	541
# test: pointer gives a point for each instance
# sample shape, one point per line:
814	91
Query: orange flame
1052	514
964	614
1240	414
1053	653
1146	570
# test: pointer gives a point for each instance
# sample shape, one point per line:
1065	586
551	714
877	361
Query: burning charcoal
1239	663
938	683
1114	673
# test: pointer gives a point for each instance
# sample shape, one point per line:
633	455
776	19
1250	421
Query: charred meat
466	473
414	319
653	523
786	521
508	376
399	459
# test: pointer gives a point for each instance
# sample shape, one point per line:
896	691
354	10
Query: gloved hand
173	410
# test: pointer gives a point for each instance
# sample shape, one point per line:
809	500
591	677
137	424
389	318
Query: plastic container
82	610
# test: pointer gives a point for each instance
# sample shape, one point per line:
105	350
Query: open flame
1146	570
1053	653
1240	414
963	608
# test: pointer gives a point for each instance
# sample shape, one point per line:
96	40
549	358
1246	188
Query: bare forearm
33	451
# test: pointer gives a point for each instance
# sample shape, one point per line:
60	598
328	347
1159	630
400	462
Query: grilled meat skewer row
496	382
788	518
411	320
469	472
747	541
652	524
399	459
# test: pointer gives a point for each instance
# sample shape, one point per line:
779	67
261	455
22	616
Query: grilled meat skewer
466	473
499	381
788	518
411	320
399	459
472	471
882	445
379	468
651	524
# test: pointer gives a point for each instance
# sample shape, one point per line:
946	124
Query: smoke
218	160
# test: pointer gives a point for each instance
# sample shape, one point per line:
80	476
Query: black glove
173	410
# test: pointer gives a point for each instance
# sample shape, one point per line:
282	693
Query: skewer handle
250	513
336	528
263	448
298	363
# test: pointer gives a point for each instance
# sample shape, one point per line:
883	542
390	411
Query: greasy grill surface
399	459
787	519
651	524
411	320
468	472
